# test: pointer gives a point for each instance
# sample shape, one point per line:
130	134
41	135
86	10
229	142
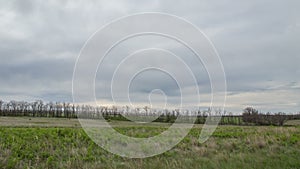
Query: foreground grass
229	147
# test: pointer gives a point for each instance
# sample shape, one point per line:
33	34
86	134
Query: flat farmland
62	143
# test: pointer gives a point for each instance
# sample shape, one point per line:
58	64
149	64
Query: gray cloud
257	42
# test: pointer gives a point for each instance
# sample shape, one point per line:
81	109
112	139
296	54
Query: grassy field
61	143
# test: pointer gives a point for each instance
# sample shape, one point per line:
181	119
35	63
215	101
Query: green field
62	143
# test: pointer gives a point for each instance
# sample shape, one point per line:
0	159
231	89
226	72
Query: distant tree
1	103
250	115
280	118
250	110
146	108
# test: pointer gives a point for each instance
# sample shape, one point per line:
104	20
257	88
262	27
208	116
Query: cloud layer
258	42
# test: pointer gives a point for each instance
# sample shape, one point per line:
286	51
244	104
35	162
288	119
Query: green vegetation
229	147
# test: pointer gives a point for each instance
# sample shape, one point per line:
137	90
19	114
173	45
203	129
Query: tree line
39	108
252	116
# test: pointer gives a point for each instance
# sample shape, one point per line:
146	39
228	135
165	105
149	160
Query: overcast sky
258	43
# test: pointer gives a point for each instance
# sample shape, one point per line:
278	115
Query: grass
293	123
38	122
229	147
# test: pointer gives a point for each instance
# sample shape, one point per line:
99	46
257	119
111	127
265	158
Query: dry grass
69	147
38	122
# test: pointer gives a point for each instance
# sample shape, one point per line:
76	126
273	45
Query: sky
257	41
